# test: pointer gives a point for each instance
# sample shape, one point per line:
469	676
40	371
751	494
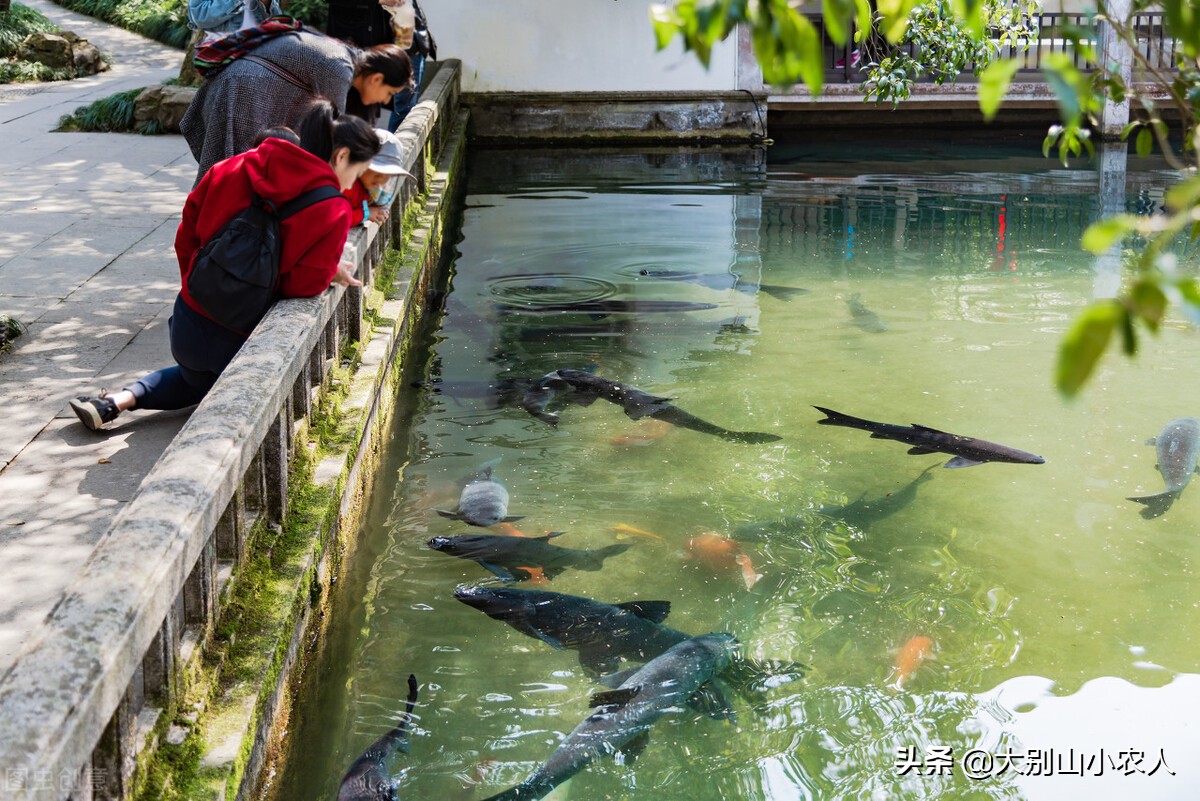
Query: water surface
939	281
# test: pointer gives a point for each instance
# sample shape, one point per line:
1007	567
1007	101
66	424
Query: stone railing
83	702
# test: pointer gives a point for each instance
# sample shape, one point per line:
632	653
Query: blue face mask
385	194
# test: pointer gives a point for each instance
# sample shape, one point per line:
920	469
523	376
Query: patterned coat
245	97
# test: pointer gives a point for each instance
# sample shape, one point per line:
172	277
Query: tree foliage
942	38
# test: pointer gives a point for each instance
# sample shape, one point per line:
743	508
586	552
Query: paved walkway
86	260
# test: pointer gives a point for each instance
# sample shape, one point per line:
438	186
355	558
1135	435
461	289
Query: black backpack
235	276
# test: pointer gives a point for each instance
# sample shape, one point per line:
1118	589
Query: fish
597	309
587	388
624	530
647	432
602	634
484	500
605	635
967	451
683	675
909	658
866	511
368	778
721	553
1178	447
507	556
507	530
863	317
725	281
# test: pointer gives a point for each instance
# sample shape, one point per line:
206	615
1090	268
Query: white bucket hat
390	160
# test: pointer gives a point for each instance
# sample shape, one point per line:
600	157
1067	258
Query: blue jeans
404	101
202	349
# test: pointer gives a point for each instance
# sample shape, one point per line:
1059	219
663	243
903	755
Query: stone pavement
87	223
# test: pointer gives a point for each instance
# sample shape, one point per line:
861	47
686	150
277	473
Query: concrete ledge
641	117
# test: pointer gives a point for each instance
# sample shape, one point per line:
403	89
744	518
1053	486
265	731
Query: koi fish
507	530
645	433
721	553
910	657
625	531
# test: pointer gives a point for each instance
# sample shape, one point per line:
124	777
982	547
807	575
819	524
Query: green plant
10	329
108	115
313	13
19	22
162	20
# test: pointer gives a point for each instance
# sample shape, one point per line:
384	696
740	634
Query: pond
1000	631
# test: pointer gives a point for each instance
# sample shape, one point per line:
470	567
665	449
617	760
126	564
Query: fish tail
596	558
1155	504
833	418
751	437
749	577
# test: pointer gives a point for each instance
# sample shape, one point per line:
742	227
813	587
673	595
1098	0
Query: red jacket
311	239
357	194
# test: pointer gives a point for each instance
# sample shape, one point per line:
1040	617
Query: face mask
385	194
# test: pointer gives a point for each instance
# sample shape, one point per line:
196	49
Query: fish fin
634	748
513	518
618	678
614	698
917	450
710	700
485	470
529	629
549	536
498	571
1152	441
876	435
654	611
1156	504
750	676
752	437
920	427
451	515
961	461
595	559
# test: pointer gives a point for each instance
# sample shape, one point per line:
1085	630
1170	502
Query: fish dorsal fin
654	611
920	427
614	698
451	515
618	678
549	536
917	450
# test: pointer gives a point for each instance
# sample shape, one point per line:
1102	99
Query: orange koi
910	657
508	530
536	576
624	532
646	432
722	554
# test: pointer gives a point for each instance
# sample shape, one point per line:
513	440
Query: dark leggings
202	349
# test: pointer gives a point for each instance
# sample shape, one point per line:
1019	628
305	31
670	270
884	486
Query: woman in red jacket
334	151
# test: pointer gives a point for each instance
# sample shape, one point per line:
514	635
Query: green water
1063	624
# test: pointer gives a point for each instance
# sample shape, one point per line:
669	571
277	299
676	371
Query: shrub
109	115
19	22
162	20
10	329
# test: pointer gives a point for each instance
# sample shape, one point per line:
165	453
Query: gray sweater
245	97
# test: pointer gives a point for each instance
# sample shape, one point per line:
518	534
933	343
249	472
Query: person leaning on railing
334	151
272	82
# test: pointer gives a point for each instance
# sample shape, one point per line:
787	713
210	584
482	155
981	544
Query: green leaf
1084	344
1129	129
1102	235
993	85
894	17
1145	142
1190	289
1149	303
1184	194
666	24
1128	334
837	14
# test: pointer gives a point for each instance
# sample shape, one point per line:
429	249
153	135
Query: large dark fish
1178	447
500	392
604	634
507	556
600	308
623	717
864	511
368	778
725	281
587	387
863	317
484	500
967	451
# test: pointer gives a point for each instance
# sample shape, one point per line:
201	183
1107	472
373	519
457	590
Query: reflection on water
931	289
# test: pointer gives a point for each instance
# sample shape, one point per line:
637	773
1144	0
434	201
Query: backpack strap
312	196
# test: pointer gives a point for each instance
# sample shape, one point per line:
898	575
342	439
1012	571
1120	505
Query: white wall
568	46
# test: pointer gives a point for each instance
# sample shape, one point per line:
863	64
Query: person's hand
379	214
345	275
